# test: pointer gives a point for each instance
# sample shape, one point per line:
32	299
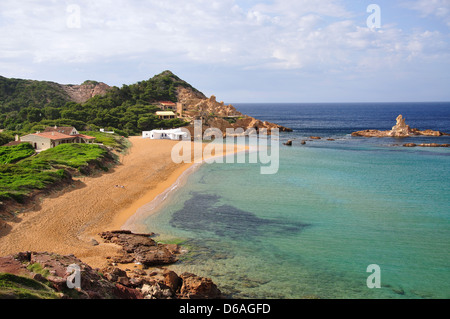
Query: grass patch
232	120
70	155
38	269
18	287
12	154
118	143
18	181
49	167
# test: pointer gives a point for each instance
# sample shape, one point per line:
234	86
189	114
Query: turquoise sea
332	209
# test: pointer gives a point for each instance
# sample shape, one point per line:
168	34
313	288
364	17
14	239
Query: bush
12	154
48	168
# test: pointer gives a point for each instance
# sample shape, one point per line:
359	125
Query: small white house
173	134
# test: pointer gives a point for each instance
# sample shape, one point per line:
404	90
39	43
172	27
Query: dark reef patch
205	213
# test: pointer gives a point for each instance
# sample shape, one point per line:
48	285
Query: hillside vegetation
22	172
19	287
27	106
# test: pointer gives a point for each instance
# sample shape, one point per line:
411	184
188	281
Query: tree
34	115
51	113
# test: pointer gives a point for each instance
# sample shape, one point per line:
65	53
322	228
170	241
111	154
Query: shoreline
132	221
70	223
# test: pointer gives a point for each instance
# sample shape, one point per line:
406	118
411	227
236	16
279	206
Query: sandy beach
67	223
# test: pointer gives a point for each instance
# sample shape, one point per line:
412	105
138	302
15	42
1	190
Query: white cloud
316	36
434	8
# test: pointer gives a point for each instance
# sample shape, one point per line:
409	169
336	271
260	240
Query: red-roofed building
53	137
167	105
68	130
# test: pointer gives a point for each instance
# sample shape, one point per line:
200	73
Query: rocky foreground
129	275
399	130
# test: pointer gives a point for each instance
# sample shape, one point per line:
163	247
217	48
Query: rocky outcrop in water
140	248
425	145
401	129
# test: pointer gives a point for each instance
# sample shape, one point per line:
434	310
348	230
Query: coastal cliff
401	129
214	114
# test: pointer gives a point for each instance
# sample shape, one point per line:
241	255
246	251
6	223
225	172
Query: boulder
172	280
154	256
195	287
140	248
123	292
157	291
114	273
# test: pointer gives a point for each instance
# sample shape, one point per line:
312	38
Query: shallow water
333	209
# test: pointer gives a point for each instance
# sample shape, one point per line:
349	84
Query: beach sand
68	223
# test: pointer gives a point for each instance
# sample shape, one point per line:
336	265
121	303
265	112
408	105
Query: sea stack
400	129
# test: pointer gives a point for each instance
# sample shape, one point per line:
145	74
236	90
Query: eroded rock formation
214	114
399	130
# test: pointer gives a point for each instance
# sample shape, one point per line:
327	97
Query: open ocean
333	209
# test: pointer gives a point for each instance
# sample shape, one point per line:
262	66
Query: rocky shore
137	272
426	145
399	130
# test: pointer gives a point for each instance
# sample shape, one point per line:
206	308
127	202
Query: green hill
27	106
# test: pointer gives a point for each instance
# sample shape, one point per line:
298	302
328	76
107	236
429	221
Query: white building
174	134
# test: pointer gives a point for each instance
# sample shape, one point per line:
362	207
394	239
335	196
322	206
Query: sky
250	51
